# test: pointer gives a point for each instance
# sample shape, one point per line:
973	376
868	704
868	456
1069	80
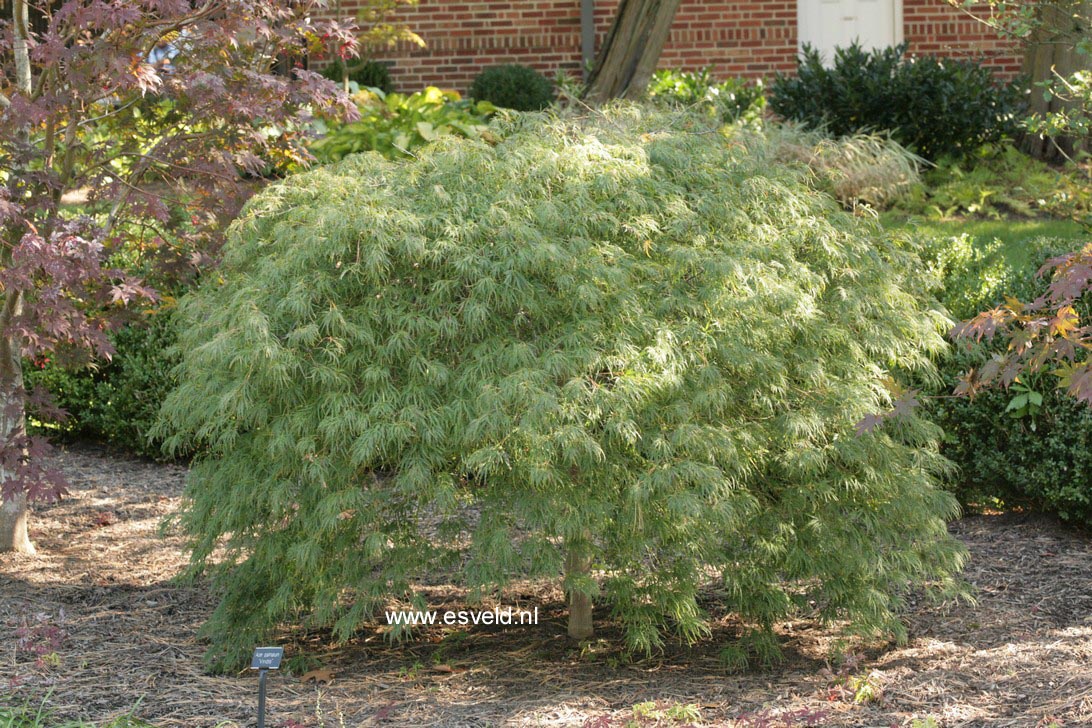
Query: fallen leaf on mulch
318	676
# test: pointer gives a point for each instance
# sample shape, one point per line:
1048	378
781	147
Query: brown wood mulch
94	626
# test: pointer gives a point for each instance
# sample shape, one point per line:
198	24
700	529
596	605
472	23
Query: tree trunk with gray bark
1052	52
14	511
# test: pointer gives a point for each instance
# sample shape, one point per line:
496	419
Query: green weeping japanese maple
627	351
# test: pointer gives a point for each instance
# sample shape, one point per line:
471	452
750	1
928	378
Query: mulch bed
95	626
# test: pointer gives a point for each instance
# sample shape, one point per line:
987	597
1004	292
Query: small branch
114	112
68	161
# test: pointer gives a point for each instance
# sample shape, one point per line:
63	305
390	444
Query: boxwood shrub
115	402
513	86
1038	456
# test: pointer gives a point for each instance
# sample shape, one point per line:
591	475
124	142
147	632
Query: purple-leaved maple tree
129	124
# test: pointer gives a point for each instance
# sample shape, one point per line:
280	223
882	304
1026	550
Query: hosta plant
396	124
729	100
622	351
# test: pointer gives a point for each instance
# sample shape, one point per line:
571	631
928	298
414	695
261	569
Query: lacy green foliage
626	328
117	401
395	125
861	168
364	73
1030	444
730	100
513	87
1000	180
936	107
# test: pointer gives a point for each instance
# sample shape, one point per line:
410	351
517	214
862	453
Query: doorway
830	24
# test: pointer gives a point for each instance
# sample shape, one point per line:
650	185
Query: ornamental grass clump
623	351
872	169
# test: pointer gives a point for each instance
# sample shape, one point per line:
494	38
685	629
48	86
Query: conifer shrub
622	351
513	86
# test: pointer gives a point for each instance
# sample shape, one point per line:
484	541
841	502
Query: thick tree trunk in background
578	563
631	50
1051	50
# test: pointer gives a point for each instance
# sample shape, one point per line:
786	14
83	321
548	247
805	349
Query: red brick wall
935	28
750	38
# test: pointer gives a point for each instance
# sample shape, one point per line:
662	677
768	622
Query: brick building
748	38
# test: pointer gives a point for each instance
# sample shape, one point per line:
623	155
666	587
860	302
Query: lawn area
1013	233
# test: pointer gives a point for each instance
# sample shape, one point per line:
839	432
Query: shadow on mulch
96	622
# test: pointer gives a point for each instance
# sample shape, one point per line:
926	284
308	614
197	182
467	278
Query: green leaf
427	132
1018	402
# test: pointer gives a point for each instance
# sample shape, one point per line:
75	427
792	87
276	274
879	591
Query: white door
830	24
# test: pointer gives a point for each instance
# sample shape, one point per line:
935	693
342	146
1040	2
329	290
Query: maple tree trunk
578	563
13	526
13	511
1052	50
631	50
20	49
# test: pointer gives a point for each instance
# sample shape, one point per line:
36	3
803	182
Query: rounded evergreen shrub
936	107
630	353
366	74
513	86
116	401
1019	456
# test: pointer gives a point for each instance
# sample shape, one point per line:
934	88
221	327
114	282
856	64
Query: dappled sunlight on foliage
625	335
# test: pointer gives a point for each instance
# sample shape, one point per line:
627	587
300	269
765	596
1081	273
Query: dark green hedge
115	402
513	86
936	107
1009	456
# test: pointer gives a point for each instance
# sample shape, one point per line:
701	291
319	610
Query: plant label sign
266	658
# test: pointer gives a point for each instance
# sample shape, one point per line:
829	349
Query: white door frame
900	23
897	12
